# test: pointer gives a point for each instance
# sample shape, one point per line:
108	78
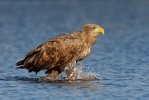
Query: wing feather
54	52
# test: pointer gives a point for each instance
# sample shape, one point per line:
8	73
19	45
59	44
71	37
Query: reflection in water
35	87
58	82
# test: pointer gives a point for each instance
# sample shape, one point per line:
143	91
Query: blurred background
120	57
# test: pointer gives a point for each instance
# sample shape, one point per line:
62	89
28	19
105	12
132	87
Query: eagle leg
53	73
71	71
69	68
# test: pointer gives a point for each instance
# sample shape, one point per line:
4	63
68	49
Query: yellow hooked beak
99	30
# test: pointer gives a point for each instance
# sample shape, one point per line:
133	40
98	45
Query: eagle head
93	28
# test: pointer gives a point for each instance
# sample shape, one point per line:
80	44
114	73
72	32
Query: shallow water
120	58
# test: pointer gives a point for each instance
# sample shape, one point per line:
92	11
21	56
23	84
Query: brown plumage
62	53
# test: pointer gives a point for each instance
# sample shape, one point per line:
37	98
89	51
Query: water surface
120	58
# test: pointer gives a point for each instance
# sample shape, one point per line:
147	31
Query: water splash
82	75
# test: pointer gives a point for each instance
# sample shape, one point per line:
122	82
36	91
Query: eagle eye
94	27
